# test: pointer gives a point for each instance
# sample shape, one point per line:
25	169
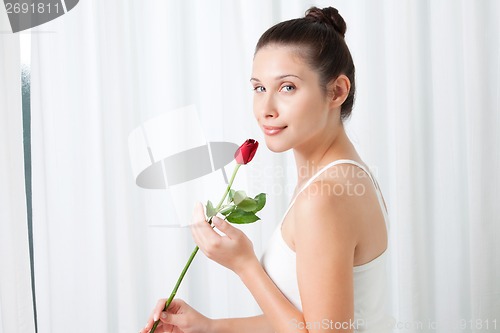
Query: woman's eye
287	88
259	89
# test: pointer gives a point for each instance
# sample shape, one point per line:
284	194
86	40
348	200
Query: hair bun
329	16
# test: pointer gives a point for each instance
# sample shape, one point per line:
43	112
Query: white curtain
16	306
426	119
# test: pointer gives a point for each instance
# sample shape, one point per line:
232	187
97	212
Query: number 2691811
32	8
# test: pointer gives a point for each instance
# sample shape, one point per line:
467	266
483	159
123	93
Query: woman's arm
325	239
281	313
181	317
326	229
242	325
235	251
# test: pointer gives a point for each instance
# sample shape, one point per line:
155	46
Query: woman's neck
315	155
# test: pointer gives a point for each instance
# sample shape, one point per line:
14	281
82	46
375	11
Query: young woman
324	269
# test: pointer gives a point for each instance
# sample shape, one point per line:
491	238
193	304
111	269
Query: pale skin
329	231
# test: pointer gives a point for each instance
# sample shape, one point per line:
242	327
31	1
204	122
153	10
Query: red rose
246	151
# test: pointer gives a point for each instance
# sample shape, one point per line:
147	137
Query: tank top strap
344	161
377	189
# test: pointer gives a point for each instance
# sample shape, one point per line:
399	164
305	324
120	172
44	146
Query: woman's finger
160	305
149	323
196	218
226	228
202	231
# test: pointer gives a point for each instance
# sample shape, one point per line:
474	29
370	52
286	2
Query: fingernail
155	317
217	220
164	315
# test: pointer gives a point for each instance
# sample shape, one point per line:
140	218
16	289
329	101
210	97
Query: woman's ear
338	90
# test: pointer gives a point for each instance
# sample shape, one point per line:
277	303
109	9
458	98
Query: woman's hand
179	318
233	250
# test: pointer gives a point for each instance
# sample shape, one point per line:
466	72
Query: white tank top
370	279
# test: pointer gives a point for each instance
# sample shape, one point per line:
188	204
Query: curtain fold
428	90
98	73
89	246
16	305
426	119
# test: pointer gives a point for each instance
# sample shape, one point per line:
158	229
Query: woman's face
289	104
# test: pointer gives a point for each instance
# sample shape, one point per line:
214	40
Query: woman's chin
275	146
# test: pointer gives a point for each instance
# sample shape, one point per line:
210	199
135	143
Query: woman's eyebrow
280	77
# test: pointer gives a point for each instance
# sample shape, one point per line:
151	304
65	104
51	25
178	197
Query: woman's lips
273	130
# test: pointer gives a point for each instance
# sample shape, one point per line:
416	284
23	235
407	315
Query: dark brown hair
320	38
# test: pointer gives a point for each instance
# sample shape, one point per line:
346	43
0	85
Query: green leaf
239	216
248	205
227	210
239	196
210	209
261	201
230	195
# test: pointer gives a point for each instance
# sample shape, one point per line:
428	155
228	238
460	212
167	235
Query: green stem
177	285
228	188
193	254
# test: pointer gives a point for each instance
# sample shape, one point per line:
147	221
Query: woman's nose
268	108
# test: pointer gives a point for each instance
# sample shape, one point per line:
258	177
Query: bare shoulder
326	214
340	195
340	211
